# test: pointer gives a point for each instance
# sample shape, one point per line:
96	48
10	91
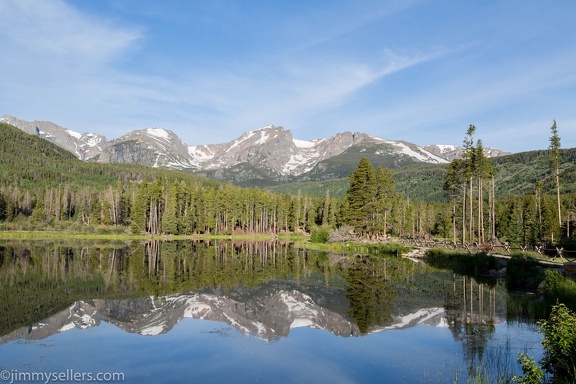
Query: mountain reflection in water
263	289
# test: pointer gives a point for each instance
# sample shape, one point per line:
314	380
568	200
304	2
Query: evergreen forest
474	199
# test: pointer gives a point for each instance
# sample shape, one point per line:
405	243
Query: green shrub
533	374
320	235
523	272
387	249
558	288
463	263
560	344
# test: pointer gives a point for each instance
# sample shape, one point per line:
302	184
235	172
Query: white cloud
52	30
333	69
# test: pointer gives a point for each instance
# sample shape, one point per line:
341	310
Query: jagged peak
158	133
264	131
272	148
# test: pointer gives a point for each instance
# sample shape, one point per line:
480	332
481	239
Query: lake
245	312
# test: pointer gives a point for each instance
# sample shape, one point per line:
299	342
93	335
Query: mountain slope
83	146
514	174
451	152
154	147
272	156
263	156
280	156
30	161
388	154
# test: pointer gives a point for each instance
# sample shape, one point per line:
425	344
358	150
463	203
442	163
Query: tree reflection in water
370	296
471	318
41	278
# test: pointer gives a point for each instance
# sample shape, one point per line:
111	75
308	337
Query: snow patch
445	148
244	137
263	138
87	321
419	155
74	134
303	143
294	162
201	153
152	331
158	132
197	310
67	327
261	328
46	134
419	316
298	323
91	140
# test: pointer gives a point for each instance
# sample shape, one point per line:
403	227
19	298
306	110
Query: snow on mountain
271	150
267	318
303	143
413	151
155	147
158	132
277	150
451	152
74	133
431	316
84	146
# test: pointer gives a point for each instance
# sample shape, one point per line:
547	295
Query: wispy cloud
55	31
370	66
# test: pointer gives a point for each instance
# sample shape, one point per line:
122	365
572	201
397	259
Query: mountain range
270	153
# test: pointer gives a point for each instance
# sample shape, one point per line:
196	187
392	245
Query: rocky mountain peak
451	152
269	152
84	146
154	147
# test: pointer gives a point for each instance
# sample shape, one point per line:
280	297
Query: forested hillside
517	174
43	187
28	161
514	175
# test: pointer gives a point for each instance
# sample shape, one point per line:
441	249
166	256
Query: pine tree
170	218
538	201
326	208
384	198
484	169
361	196
455	186
140	209
555	159
469	157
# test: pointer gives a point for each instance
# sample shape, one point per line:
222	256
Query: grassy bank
353	248
40	235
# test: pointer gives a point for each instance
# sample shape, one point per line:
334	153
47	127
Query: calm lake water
245	312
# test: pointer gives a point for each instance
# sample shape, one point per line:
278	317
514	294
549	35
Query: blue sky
419	71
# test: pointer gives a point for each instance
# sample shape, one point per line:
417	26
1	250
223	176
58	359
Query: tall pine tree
555	159
361	196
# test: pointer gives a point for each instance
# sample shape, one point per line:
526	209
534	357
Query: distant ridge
263	156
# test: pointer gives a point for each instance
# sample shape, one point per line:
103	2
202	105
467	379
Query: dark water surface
245	312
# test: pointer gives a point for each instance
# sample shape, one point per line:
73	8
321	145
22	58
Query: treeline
45	187
183	207
167	207
372	207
